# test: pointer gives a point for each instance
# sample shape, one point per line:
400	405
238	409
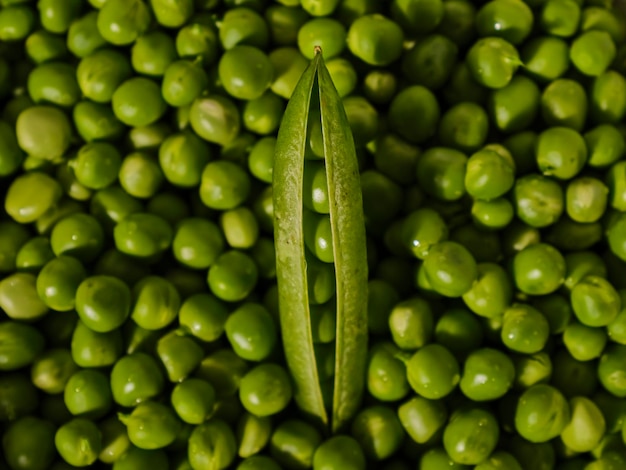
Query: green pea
151	425
411	323
258	462
265	390
135	378
212	445
362	118
87	394
293	443
121	22
83	37
339	452
532	455
101	72
194	400
531	369
564	103
42	46
492	292
253	434
488	175
471	436
556	309
433	372
58	282
284	23
485	246
197	243
487	375
386	375
135	457
115	442
43	132
378	431
233	276
514	107
462	87
111	205
441	173
375	39
561	152
464	127
288	64
450	269
499	460
437	459
247	82
51	371
592	52
103	303
396	158
343	74
606	145
78	235
79	442
16	22
539	269
539	201
19	396
493	61
610	372
29	443
56	16
586	199
608	97
494	214
142	235
96	121
524	329
97	165
545	58
152	53
92	349
19	299
583	342
510	20
327	33
172	14
138	102
459	331
612	408
409	103
417	16
617	328
197	40
380	86
243	26
215	119
11	156
251	332
430	62
262	115
542	413
422	419
595	301
560	17
170	206
240	227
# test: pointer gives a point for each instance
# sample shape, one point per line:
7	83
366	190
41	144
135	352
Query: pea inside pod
314	93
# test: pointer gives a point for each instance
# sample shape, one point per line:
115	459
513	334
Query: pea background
138	305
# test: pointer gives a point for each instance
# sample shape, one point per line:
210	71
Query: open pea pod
349	248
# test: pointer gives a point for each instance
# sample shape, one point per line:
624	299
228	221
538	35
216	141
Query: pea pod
348	238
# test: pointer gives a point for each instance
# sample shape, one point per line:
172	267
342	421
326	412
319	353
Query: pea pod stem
348	234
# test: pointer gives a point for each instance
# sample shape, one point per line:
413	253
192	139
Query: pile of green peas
138	303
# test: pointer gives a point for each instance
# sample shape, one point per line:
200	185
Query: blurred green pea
493	61
121	22
293	443
87	394
564	103
539	201
414	101
378	431
212	445
79	442
28	442
464	127
471	435
524	329
265	390
92	349
251	332
595	301
542	413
